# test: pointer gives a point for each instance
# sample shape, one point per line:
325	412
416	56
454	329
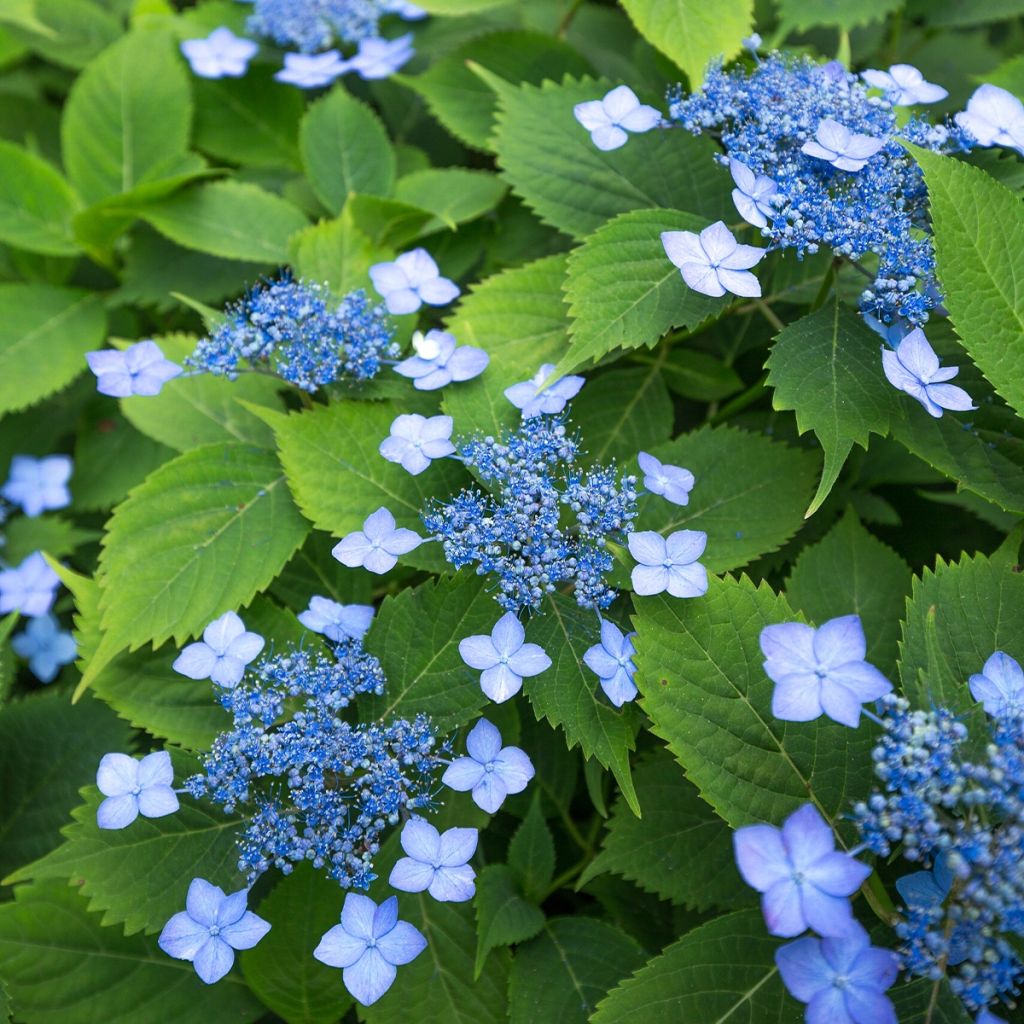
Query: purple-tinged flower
37	485
416	439
804	881
988	1017
381	58
29	588
609	120
222	654
994	117
914	368
368	945
892	334
438	361
820	671
436	862
927	891
134	787
836	144
337	622
210	928
713	262
45	646
221	54
410	280
904	85
140	369
404	9
842	980
669	563
505	658
753	194
491	771
673	483
377	545
311	70
1000	684
535	400
612	661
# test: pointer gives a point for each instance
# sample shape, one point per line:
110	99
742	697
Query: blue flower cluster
313	25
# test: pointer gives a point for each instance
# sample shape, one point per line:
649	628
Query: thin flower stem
768	313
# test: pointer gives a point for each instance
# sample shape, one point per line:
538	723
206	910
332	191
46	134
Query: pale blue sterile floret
415	440
439	361
222	654
914	368
1000	684
221	54
404	9
436	862
842	980
141	369
534	399
38	485
410	280
45	646
669	564
133	787
988	1017
381	58
994	117
673	483
29	588
377	545
820	671
804	881
904	85
837	145
612	661
312	70
337	622
753	194
491	772
609	120
368	945
713	262
504	657
210	928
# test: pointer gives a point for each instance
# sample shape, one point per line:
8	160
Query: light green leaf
963	13
387	222
66	32
503	917
531	853
459	6
36	205
56	536
336	253
800	15
452	194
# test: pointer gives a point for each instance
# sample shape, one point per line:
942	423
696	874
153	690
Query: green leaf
387	222
345	149
704	688
56	536
36	205
696	375
979	247
550	161
679	850
800	15
875	585
693	33
749	497
531	853
230	219
568	694
204	533
65	323
928	1002
127	117
459	6
622	290
63	967
336	253
724	971
963	13
452	194
66	32
826	366
503	917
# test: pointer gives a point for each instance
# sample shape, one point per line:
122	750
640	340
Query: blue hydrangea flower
988	1017
438	361
610	119
210	928
914	368
377	545
140	369
29	588
38	485
804	882
368	945
222	654
45	646
999	685
436	862
337	622
381	58
612	661
904	85
994	117
410	280
415	440
504	657
673	483
491	771
221	54
133	787
924	893
311	25
311	70
753	194
837	145
820	671
669	564
713	262
842	980
535	400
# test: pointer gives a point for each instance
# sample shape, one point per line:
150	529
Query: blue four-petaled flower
377	545
133	787
336	621
410	280
439	361
609	120
436	862
38	485
226	648
415	440
491	772
45	646
669	564
504	657
612	661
